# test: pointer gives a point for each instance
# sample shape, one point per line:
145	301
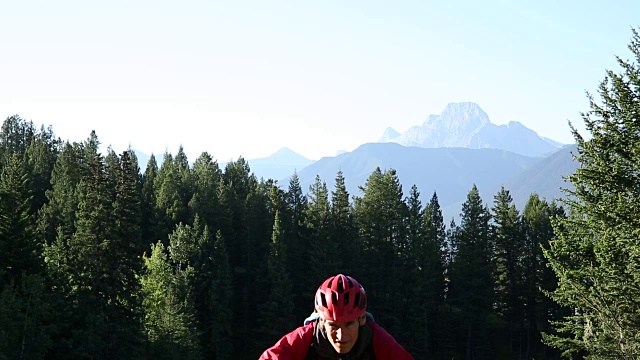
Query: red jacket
294	345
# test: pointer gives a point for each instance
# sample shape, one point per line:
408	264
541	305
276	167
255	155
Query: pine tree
421	299
16	135
206	176
471	286
342	229
539	309
380	217
296	242
19	251
58	214
323	254
93	271
25	310
508	275
596	255
153	226
169	314
433	270
169	195
24	314
245	225
213	292
41	155
276	312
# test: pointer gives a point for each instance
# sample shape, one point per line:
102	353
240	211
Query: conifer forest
184	259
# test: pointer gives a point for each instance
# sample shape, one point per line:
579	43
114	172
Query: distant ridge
451	172
279	165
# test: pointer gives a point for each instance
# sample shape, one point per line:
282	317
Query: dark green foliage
471	286
296	241
19	252
246	226
168	191
153	226
427	235
275	314
206	176
58	214
213	291
595	256
540	310
508	256
169	320
41	155
380	216
15	137
324	252
342	229
24	315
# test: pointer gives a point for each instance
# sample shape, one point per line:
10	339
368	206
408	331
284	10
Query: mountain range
447	154
467	125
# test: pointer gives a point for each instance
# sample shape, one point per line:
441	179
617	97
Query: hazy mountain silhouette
279	165
451	172
466	125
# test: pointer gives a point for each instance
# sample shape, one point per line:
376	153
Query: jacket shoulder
292	346
385	346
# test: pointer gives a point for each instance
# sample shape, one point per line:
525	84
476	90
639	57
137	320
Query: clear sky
246	78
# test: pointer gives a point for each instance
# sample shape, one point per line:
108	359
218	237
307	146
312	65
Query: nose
339	334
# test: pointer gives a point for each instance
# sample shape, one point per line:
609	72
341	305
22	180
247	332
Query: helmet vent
346	299
363	302
334	298
323	299
340	286
357	300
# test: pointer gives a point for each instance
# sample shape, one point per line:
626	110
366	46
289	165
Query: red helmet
341	298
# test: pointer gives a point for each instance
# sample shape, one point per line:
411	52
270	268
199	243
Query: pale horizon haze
246	78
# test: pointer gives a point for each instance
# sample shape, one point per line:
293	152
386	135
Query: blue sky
245	78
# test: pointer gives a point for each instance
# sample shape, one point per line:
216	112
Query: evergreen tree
19	251
25	332
432	275
169	314
41	155
243	226
324	254
296	242
380	216
471	286
185	185
153	226
16	135
508	256
213	293
98	271
206	176
540	310
421	300
596	255
24	314
276	312
342	230
168	192
58	214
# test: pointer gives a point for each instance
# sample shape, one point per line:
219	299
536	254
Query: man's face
343	335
